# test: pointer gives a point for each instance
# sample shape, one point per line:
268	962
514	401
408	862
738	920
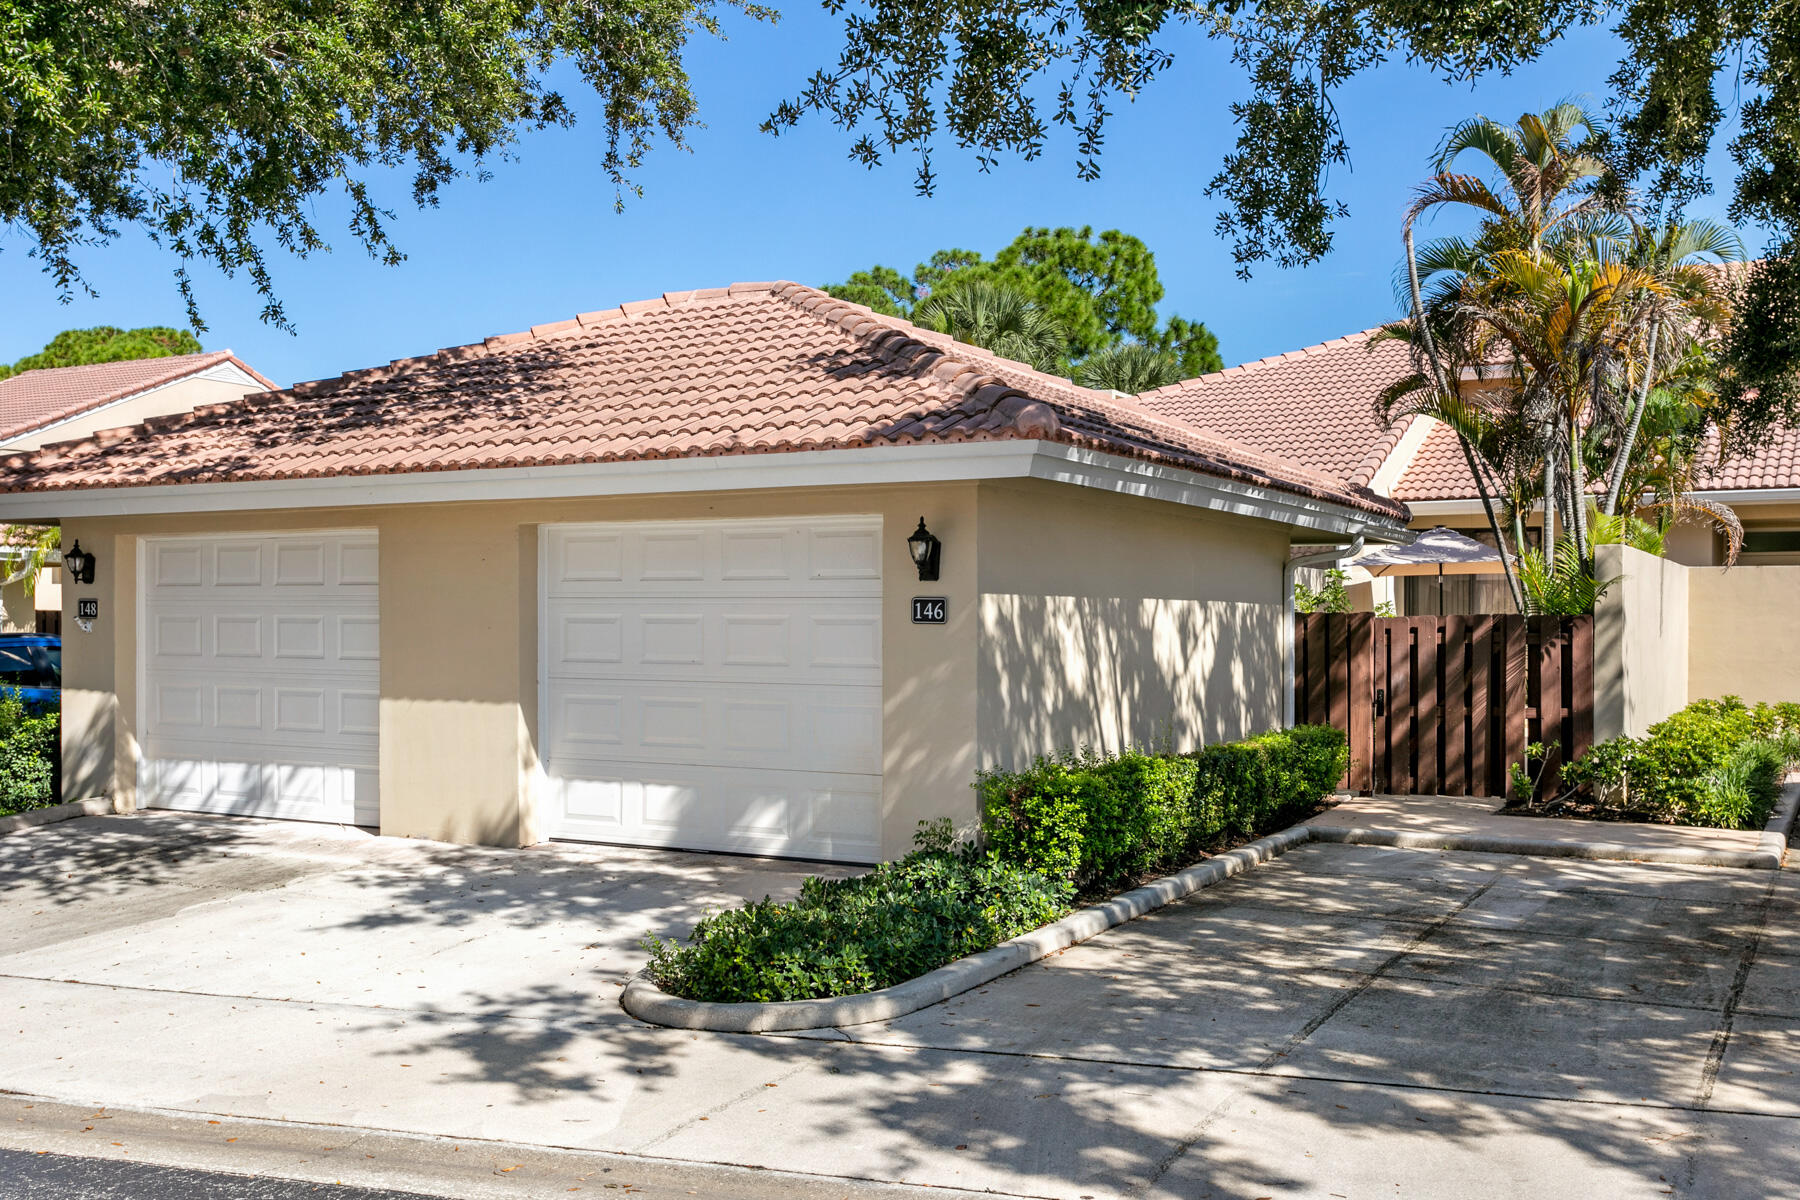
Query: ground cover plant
1074	827
1718	763
28	748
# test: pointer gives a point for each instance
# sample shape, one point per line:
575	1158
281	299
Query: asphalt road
28	1176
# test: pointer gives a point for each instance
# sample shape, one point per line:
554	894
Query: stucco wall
1640	641
459	651
1744	632
1109	622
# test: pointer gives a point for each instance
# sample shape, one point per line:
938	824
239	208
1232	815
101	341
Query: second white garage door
715	685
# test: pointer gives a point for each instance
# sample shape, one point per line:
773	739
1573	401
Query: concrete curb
1771	843
1781	821
649	1003
30	818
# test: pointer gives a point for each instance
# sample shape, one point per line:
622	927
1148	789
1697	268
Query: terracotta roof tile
752	368
1316	405
1438	471
33	399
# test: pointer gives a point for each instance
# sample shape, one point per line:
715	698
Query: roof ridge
1267	361
943	389
897	339
857	319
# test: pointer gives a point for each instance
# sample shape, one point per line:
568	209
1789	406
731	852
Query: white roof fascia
930	463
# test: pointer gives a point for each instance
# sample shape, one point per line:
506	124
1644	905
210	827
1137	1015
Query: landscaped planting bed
1717	763
1064	830
28	746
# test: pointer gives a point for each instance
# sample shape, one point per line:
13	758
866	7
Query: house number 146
929	610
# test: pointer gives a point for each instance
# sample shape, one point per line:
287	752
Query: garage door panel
701	807
817	556
292	791
810	640
262	675
823	729
715	685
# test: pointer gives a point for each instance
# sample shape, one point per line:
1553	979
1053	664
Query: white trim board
1016	459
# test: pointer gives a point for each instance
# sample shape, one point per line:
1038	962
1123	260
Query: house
1318	406
746	569
60	403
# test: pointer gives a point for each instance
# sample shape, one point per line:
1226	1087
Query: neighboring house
1318	405
644	576
59	403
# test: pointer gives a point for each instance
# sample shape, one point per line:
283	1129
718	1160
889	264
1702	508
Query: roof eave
922	463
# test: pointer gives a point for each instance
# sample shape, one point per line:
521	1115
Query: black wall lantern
924	549
79	564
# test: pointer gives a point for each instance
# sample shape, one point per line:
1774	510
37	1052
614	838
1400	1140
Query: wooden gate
1442	705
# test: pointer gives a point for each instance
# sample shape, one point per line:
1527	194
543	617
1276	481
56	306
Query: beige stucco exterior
1109	622
1744	632
1074	617
1640	631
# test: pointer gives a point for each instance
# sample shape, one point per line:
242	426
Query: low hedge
1107	821
29	744
1082	824
1717	763
844	936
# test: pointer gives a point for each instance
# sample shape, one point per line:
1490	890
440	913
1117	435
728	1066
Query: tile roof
1438	471
1316	405
1776	465
753	368
33	399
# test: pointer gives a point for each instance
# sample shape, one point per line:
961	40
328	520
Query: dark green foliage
1101	291
855	935
28	748
1104	822
996	77
1334	597
219	128
1716	763
1760	360
104	344
1087	823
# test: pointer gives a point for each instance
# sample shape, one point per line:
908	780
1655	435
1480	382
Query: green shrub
29	745
1103	822
845	936
1716	762
1063	826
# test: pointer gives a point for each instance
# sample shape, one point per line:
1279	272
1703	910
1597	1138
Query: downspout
1333	556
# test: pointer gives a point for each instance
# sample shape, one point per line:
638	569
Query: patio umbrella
1438	551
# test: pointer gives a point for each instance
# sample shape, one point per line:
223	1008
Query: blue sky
541	241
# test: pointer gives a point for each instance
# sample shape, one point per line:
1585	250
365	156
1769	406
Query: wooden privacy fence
1442	705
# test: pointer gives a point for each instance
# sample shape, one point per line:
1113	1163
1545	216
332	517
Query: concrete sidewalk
1476	823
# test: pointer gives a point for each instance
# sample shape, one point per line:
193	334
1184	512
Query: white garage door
261	675
715	685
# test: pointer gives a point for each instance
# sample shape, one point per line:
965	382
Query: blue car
31	663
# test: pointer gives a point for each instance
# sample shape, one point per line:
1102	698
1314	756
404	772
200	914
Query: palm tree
1697	298
1130	368
997	318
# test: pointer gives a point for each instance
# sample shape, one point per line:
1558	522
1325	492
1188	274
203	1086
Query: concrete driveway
1346	1021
